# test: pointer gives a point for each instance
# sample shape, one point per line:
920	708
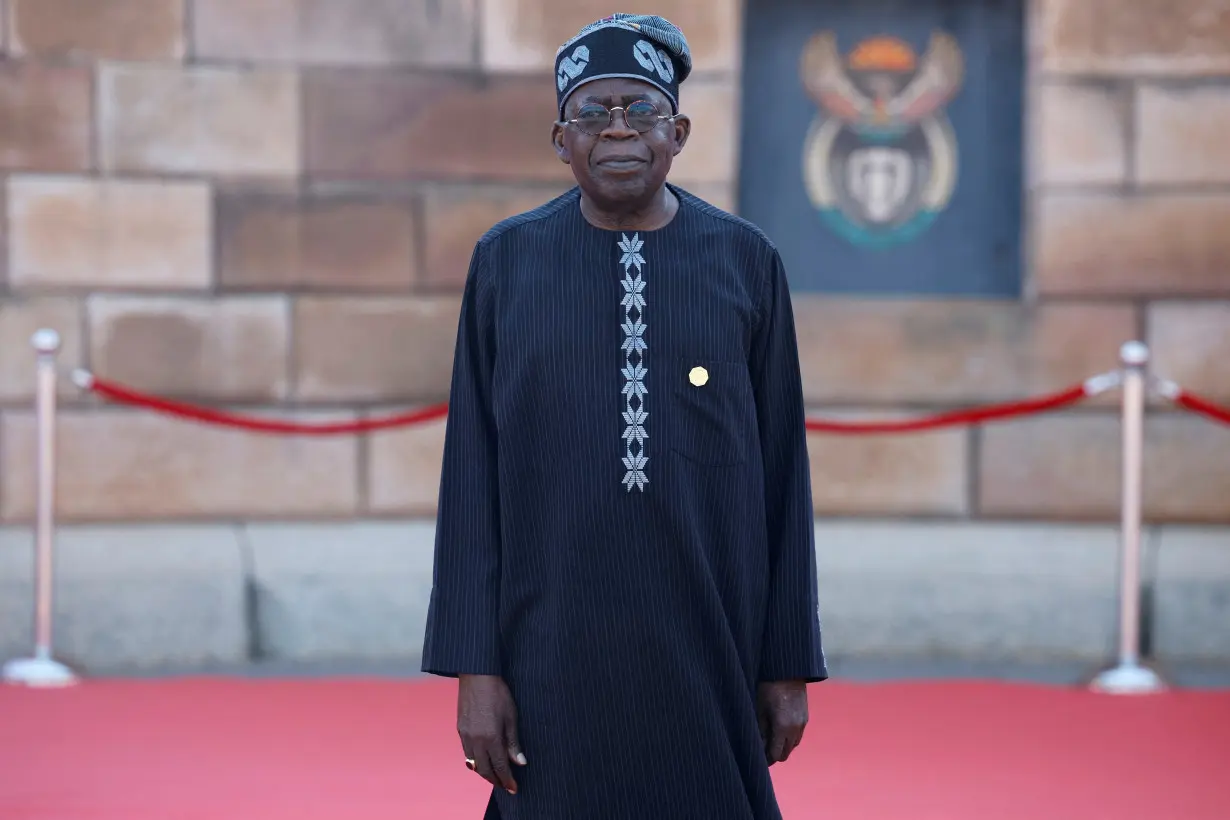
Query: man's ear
557	140
683	130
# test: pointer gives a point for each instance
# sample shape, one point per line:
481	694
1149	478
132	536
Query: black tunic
625	528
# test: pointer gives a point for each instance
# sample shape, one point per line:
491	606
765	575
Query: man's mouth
621	162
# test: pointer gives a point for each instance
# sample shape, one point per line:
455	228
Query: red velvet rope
1206	408
120	394
126	395
973	415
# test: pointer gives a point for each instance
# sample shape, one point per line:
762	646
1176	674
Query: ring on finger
471	764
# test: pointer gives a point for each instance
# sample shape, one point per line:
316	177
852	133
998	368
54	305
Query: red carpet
378	750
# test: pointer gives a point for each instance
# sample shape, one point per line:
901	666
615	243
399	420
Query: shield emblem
879	180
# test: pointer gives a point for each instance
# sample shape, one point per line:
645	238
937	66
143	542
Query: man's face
620	164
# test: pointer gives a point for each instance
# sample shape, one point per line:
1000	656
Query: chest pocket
713	412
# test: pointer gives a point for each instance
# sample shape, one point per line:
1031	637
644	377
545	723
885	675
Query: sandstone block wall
271	206
1129	200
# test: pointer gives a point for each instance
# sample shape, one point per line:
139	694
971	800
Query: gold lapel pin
699	376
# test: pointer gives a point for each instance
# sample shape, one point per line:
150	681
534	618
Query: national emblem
880	159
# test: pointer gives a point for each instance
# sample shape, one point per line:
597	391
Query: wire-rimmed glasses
641	116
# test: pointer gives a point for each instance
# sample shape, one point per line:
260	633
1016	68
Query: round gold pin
699	376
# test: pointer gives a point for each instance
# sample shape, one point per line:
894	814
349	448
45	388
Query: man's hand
781	707
487	724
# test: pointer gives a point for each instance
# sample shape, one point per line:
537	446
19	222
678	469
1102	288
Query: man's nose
618	127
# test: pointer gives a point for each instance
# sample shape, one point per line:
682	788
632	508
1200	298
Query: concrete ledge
130	596
1192	600
356	590
183	597
967	589
16	592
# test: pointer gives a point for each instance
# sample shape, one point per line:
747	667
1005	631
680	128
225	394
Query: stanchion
43	669
1128	676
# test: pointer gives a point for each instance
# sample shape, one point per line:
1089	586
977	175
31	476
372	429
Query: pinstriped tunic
625	528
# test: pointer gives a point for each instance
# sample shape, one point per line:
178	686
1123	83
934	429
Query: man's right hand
487	724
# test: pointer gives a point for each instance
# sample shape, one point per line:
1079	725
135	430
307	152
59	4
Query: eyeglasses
641	116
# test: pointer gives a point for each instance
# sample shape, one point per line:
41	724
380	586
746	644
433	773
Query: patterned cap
638	46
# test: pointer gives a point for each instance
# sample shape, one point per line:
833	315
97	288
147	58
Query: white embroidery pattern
634	372
571	67
652	59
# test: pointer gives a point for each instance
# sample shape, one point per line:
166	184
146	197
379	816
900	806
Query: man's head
618	93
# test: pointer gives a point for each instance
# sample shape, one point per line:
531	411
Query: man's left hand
782	709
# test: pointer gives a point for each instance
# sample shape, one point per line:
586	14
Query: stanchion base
1128	679
38	672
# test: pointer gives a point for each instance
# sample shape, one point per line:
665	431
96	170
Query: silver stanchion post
1128	676
43	669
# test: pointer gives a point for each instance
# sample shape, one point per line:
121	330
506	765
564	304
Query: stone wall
1129	195
271	206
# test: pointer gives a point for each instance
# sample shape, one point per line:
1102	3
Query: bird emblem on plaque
880	156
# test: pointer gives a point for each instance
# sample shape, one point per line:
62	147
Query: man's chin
621	186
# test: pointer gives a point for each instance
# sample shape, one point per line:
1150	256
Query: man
624	570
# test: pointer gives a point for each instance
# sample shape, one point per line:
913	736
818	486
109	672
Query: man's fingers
785	739
777	745
515	754
514	744
487	765
502	770
483	760
796	736
792	741
482	764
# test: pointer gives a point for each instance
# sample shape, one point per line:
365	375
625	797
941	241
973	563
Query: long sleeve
463	615
791	648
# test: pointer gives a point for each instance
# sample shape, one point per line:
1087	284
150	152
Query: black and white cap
638	46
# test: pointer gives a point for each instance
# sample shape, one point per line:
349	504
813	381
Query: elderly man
625	578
